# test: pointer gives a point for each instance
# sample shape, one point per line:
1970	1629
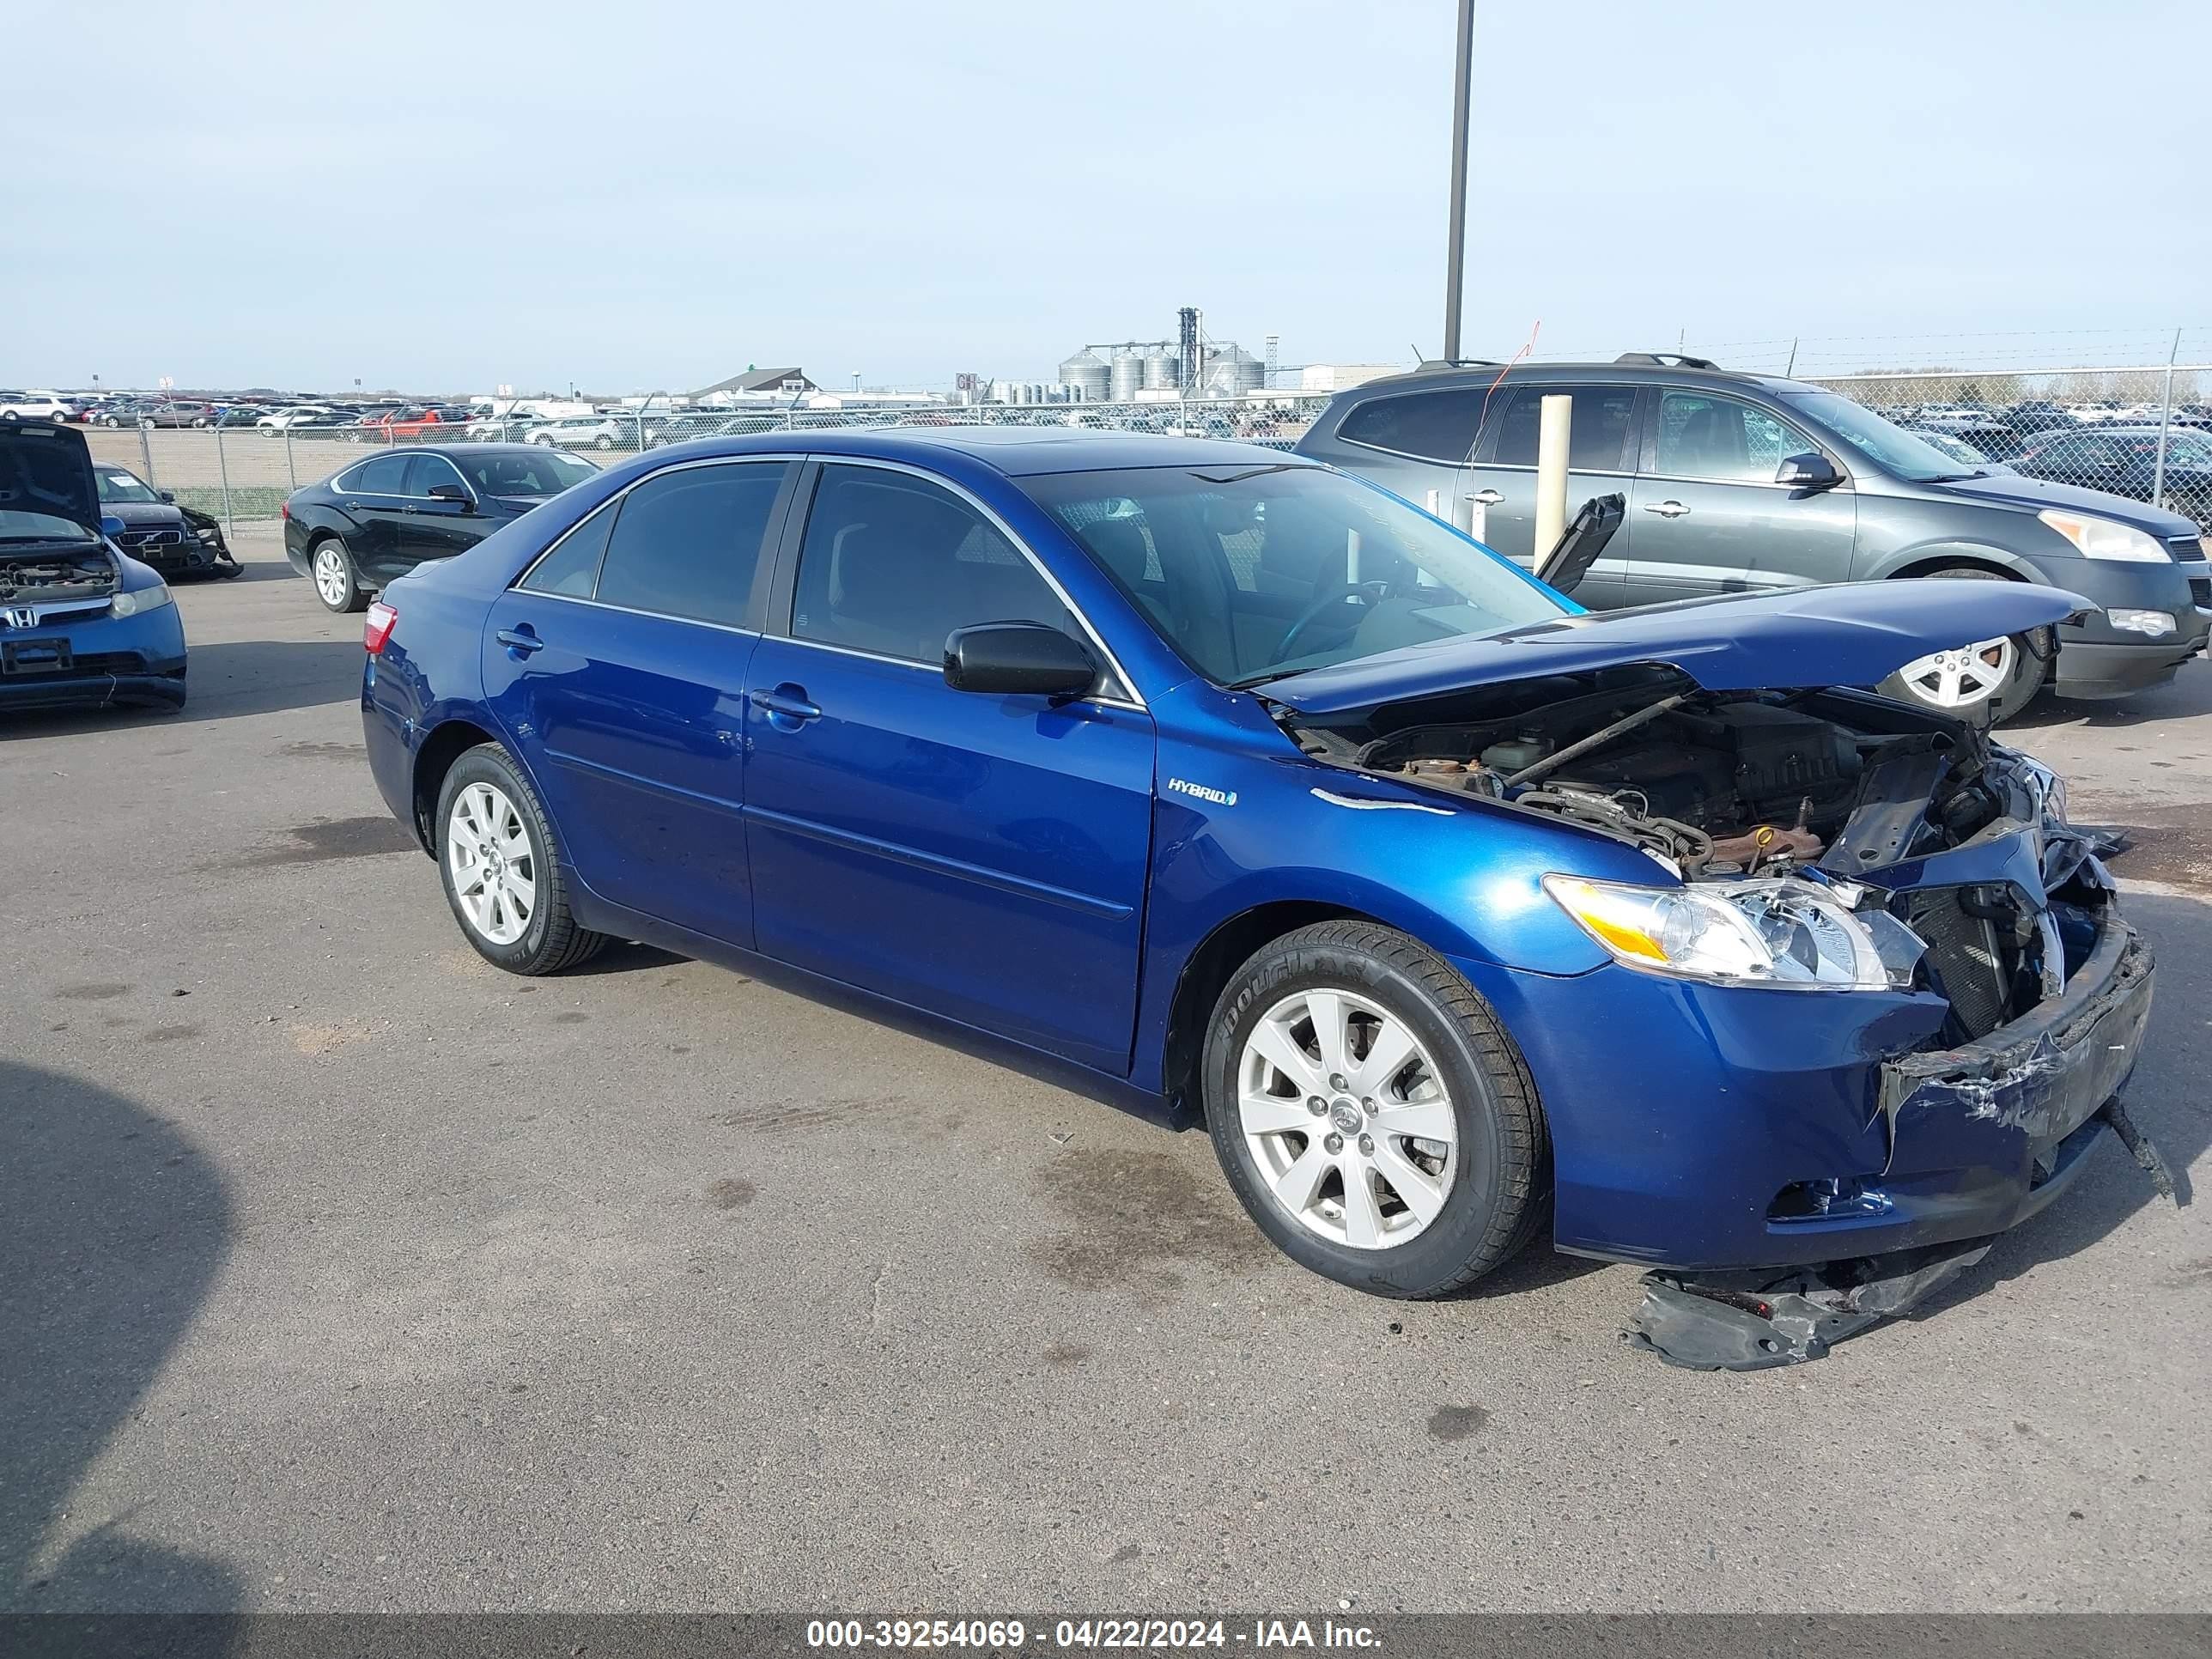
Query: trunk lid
1852	633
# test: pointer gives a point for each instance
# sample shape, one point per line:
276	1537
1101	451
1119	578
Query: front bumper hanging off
2027	1101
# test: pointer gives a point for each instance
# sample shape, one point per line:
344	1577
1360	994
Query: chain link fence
2142	432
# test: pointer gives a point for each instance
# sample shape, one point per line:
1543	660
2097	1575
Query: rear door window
572	568
384	476
687	543
1435	426
1598	433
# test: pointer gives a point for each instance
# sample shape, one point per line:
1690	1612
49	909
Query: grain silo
1087	371
1127	377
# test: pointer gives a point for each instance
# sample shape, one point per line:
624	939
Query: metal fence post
146	451
222	466
2164	422
291	472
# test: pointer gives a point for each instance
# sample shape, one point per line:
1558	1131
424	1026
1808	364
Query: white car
33	406
279	419
587	432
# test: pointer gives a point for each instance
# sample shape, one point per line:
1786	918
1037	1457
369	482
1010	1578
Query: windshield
117	485
1255	572
537	473
19	526
1889	447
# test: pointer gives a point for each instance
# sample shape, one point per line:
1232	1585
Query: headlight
1785	934
2103	538
137	601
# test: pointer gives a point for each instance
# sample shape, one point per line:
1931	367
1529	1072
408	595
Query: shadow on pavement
225	679
112	1225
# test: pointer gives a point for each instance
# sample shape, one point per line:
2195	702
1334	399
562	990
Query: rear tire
336	579
1438	1212
498	858
2018	670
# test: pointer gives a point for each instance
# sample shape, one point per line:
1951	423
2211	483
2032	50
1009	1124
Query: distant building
1336	377
754	385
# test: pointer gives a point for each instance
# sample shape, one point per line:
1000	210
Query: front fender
1243	821
1940	550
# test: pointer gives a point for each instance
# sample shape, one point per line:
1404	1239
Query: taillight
377	626
284	512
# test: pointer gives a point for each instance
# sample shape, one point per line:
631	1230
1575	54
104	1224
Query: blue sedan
1457	914
81	623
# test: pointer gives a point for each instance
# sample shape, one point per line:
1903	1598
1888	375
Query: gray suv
1739	483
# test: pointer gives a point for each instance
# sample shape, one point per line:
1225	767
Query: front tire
337	581
500	866
1995	678
1428	1162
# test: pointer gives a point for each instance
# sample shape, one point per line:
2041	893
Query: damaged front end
1823	841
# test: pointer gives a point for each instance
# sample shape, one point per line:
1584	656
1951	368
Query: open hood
1852	634
47	468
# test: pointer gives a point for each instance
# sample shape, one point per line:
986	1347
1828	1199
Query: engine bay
50	576
1766	788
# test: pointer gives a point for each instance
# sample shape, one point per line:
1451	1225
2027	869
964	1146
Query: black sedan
177	541
2122	461
380	518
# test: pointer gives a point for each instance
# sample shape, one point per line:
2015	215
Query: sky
636	195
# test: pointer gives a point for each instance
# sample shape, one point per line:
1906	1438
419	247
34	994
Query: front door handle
1486	498
1668	509
787	706
522	639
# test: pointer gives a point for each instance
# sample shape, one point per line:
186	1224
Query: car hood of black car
144	515
45	467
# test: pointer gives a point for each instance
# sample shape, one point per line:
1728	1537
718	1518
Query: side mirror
109	524
1807	471
1018	658
449	492
170	496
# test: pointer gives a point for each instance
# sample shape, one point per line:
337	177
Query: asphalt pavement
338	1270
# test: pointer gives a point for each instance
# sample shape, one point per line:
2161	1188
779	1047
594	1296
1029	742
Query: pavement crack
875	1293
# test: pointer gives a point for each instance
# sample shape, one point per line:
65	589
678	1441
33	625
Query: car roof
1442	376
1013	452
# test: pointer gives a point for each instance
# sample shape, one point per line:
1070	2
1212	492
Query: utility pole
1455	244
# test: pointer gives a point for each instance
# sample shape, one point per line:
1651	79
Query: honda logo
19	616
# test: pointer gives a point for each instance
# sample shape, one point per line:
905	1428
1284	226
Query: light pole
1455	246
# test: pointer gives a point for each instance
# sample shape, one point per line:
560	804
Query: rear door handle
788	703
522	639
1666	509
1486	498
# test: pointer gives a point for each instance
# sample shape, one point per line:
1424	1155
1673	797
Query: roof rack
1461	362
1664	359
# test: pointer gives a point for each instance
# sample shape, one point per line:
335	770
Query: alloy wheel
1960	678
332	581
1347	1119
492	862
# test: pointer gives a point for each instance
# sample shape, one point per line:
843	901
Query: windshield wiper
1251	680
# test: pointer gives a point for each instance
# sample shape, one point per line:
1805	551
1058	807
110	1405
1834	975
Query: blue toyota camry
1458	914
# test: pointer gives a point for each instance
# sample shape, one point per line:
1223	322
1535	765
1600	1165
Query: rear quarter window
1434	425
